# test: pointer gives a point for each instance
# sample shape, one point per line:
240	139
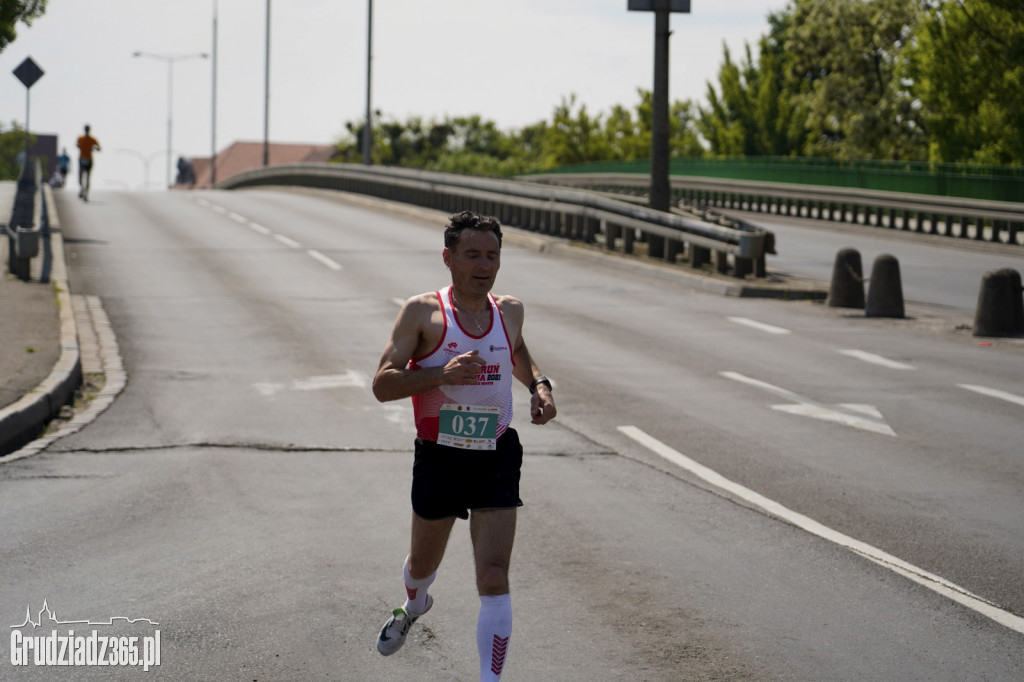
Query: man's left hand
542	407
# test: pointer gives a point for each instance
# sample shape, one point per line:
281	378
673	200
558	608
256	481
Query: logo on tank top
489	374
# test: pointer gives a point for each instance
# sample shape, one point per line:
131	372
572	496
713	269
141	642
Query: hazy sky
510	62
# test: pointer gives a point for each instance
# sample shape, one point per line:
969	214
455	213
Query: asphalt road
688	516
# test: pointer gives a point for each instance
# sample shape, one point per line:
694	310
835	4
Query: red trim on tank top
501	316
444	333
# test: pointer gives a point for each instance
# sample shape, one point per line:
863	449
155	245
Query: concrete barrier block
847	289
1000	310
885	290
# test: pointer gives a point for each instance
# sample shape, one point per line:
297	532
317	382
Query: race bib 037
471	427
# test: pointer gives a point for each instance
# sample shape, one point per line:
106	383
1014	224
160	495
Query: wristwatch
537	381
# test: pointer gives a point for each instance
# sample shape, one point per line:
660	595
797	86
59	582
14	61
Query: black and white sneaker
392	635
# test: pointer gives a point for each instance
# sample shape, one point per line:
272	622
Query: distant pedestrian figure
63	163
186	174
86	144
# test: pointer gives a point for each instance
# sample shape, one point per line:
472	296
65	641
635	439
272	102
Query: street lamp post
170	59
146	160
213	106
368	125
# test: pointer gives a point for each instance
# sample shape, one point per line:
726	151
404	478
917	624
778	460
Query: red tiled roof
243	156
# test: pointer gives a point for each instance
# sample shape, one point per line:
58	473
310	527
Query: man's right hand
464	369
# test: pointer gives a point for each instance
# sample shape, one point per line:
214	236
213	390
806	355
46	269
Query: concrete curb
24	420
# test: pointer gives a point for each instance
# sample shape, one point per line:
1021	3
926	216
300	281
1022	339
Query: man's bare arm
542	404
394	380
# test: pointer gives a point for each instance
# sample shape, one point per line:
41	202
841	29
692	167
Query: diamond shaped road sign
28	72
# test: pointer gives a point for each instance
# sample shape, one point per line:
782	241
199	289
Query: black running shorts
450	481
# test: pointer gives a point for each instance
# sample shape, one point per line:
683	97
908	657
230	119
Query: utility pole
266	100
368	125
660	196
213	107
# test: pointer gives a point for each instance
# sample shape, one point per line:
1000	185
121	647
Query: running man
86	144
455	353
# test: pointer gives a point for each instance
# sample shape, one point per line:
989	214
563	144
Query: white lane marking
875	359
994	393
919	575
237	218
203	202
350	379
398	301
287	241
324	259
219	209
871	421
769	328
258	228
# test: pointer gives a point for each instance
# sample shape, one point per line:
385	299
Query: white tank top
493	387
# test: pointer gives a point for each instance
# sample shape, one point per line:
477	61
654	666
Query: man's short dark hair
472	221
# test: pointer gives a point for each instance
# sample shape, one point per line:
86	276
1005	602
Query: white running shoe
392	635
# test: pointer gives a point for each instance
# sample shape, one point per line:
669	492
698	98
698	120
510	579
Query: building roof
243	156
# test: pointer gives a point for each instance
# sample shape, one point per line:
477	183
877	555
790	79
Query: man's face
474	261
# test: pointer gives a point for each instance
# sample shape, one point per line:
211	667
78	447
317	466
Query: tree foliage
968	70
12	145
574	135
908	80
13	11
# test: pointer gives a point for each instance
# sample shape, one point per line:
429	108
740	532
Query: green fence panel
992	183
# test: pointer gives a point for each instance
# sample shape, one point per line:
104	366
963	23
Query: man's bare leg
426	549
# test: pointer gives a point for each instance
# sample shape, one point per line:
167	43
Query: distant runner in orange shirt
86	143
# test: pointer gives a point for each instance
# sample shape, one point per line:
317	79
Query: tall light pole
213	104
660	195
266	100
170	59
368	126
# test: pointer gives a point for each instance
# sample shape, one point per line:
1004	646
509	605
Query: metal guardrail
24	231
573	214
991	221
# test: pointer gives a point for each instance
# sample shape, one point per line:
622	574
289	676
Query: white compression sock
493	629
416	591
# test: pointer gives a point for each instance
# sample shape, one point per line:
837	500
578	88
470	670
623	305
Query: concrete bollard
847	290
1000	309
885	292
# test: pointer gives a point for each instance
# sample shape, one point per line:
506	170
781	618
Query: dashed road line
995	393
316	255
287	241
258	228
754	324
918	575
875	359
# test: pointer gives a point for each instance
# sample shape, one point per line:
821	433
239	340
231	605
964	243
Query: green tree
12	144
13	11
575	136
758	111
849	57
968	71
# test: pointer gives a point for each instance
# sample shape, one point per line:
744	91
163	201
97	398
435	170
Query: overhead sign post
28	72
659	194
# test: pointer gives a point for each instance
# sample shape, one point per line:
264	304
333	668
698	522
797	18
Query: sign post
660	196
28	72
